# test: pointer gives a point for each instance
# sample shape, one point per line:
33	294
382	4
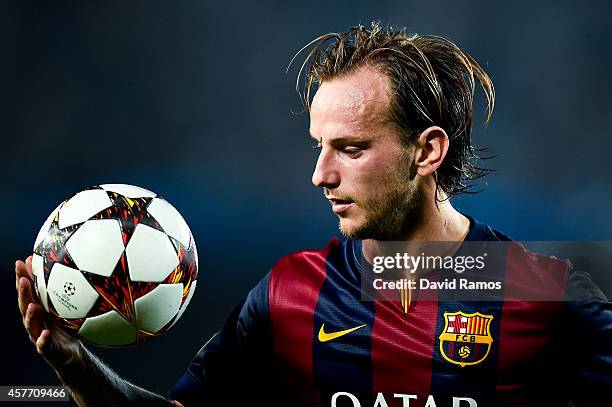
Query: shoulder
530	272
536	261
302	264
297	277
545	270
295	272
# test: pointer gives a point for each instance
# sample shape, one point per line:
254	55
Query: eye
352	151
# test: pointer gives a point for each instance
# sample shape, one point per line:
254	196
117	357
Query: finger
28	264
34	321
43	342
24	269
25	295
17	267
21	270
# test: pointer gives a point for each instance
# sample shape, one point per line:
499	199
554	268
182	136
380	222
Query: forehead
350	104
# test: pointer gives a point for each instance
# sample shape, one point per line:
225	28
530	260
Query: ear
430	149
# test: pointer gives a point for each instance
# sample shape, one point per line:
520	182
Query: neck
442	223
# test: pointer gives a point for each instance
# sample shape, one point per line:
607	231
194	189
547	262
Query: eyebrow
341	139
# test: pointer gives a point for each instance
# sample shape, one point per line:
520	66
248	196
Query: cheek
368	184
362	177
373	172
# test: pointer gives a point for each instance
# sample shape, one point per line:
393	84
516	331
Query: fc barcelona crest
466	338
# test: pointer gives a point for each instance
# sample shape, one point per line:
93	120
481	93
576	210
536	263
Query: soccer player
392	117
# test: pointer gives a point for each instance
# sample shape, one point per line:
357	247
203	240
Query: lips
340	205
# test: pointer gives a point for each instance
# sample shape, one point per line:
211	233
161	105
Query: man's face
364	168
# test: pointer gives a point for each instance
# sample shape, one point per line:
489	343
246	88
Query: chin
351	229
346	226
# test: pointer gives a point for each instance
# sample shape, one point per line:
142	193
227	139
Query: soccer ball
115	264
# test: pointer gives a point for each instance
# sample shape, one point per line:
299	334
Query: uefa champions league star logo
69	288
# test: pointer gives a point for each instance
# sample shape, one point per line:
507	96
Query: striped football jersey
307	335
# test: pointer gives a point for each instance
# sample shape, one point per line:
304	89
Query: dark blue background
190	99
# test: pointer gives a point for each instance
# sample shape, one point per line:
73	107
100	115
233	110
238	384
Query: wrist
72	367
76	356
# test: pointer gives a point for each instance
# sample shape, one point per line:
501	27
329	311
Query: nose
325	173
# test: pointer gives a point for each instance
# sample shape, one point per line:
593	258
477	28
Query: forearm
92	383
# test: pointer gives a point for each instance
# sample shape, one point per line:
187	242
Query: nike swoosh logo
324	337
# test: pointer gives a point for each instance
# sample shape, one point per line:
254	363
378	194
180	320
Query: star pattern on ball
117	292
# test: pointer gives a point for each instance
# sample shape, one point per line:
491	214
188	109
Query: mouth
340	205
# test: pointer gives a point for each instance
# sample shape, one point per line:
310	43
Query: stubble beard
391	216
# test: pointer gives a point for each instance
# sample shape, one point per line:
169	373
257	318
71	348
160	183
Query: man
392	118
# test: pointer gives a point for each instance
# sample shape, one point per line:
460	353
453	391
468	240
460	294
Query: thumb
57	349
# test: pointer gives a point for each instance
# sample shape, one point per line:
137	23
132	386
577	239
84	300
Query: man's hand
52	343
91	382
